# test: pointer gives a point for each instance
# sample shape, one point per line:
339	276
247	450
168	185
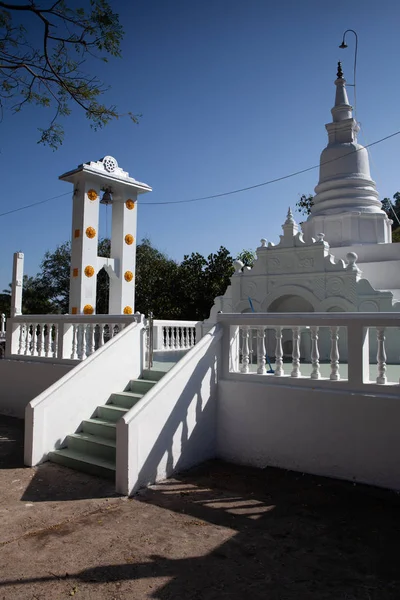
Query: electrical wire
252	187
9	212
237	191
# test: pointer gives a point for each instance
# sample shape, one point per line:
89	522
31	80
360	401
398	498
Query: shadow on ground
50	482
275	535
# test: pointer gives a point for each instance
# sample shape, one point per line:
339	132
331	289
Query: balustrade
312	336
62	337
174	335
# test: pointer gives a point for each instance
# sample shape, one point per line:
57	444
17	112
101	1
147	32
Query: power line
9	212
245	189
252	187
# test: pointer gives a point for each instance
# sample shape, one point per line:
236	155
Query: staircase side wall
60	409
174	426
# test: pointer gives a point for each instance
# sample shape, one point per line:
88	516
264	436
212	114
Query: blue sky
232	93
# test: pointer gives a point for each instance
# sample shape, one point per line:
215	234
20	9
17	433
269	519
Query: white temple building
343	260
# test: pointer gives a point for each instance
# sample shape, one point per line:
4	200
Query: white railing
250	340
174	335
62	337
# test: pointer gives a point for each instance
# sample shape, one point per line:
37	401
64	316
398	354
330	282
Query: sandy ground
217	532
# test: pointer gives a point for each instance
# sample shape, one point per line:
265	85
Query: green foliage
390	208
43	62
247	257
305	204
168	289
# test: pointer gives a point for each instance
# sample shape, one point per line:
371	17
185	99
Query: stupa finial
289	217
339	70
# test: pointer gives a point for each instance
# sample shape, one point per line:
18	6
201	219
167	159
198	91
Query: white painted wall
174	426
340	434
21	381
60	409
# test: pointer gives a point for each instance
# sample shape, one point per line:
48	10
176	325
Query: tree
44	48
201	280
305	204
35	299
247	257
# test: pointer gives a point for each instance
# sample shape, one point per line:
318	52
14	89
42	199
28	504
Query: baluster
21	341
381	355
47	339
245	349
74	353
315	373
54	340
251	352
81	341
170	338
101	334
40	340
27	339
175	338
34	343
335	375
193	330
296	352
179	344
90	339
261	350
279	372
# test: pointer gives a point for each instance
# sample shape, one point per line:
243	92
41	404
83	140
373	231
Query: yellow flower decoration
130	204
89	271
129	239
88	309
92	195
127	310
90	232
128	275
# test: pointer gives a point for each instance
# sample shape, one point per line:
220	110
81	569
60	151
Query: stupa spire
342	109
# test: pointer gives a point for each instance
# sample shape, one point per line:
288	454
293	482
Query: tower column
123	251
84	241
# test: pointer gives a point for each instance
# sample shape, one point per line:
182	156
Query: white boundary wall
347	435
60	409
343	428
21	381
174	426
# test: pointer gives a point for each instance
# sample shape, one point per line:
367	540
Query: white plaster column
123	251
17	282
84	241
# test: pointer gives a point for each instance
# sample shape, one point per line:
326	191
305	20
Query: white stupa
344	260
346	207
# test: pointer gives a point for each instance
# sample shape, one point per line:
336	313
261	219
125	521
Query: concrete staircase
92	448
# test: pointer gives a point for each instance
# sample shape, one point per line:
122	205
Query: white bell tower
94	183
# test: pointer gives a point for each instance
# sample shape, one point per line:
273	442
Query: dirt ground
217	532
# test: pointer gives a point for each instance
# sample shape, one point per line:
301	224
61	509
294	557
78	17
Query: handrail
215	334
371	319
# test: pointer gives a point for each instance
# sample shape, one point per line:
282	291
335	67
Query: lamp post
344	45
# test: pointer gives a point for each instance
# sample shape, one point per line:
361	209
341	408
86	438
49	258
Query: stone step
99	427
92	445
140	386
82	462
152	375
109	412
125	399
